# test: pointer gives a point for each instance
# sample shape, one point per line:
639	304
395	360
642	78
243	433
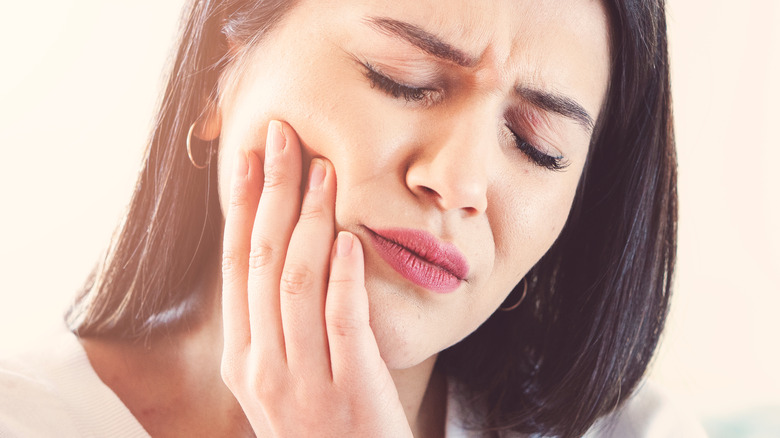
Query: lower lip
414	268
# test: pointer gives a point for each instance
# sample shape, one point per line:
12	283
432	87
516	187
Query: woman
430	217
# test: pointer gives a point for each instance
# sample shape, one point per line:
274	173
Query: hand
299	354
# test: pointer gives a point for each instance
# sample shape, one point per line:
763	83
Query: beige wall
722	347
77	90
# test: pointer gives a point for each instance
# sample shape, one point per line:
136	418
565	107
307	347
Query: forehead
478	23
549	44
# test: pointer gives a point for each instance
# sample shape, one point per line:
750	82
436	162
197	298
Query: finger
244	195
277	213
353	348
305	276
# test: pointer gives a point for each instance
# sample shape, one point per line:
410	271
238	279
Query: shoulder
650	412
52	390
29	404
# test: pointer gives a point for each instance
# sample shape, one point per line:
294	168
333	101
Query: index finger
244	196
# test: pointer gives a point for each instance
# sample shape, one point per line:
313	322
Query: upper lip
428	248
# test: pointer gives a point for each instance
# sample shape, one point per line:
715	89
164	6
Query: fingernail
344	244
316	174
241	166
274	142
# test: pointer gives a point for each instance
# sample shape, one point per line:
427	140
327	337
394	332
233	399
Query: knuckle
275	179
344	324
266	388
230	371
231	262
260	255
296	279
228	376
311	211
342	282
239	199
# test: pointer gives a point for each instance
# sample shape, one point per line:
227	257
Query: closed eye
539	158
420	95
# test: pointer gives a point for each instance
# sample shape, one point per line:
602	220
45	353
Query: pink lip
421	258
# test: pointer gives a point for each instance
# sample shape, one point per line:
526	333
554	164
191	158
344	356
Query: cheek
286	92
529	219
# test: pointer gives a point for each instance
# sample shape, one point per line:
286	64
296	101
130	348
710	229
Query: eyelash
537	156
426	95
394	89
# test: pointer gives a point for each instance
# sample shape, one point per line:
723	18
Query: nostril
449	183
429	191
471	211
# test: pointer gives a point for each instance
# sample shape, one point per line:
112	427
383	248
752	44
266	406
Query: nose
452	170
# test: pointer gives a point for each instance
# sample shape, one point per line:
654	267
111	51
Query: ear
209	126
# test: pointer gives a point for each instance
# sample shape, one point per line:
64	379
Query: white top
648	414
53	391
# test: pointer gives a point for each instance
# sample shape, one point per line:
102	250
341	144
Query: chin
405	329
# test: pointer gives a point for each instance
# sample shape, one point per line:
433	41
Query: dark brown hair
152	274
597	301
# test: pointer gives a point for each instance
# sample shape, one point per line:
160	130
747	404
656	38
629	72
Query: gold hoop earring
514	306
189	150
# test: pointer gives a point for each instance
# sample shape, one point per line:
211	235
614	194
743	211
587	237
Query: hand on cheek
299	355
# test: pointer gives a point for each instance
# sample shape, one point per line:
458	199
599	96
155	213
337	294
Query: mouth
421	258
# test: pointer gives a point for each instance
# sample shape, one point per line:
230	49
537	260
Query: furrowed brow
558	104
422	39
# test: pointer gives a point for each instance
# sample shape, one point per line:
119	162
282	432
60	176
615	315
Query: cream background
78	87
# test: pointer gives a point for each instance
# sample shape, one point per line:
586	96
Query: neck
175	384
423	395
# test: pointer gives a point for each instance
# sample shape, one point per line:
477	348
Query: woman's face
468	120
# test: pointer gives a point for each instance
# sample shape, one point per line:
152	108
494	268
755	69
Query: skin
314	335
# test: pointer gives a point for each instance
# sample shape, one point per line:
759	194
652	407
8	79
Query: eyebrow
558	104
423	40
433	45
